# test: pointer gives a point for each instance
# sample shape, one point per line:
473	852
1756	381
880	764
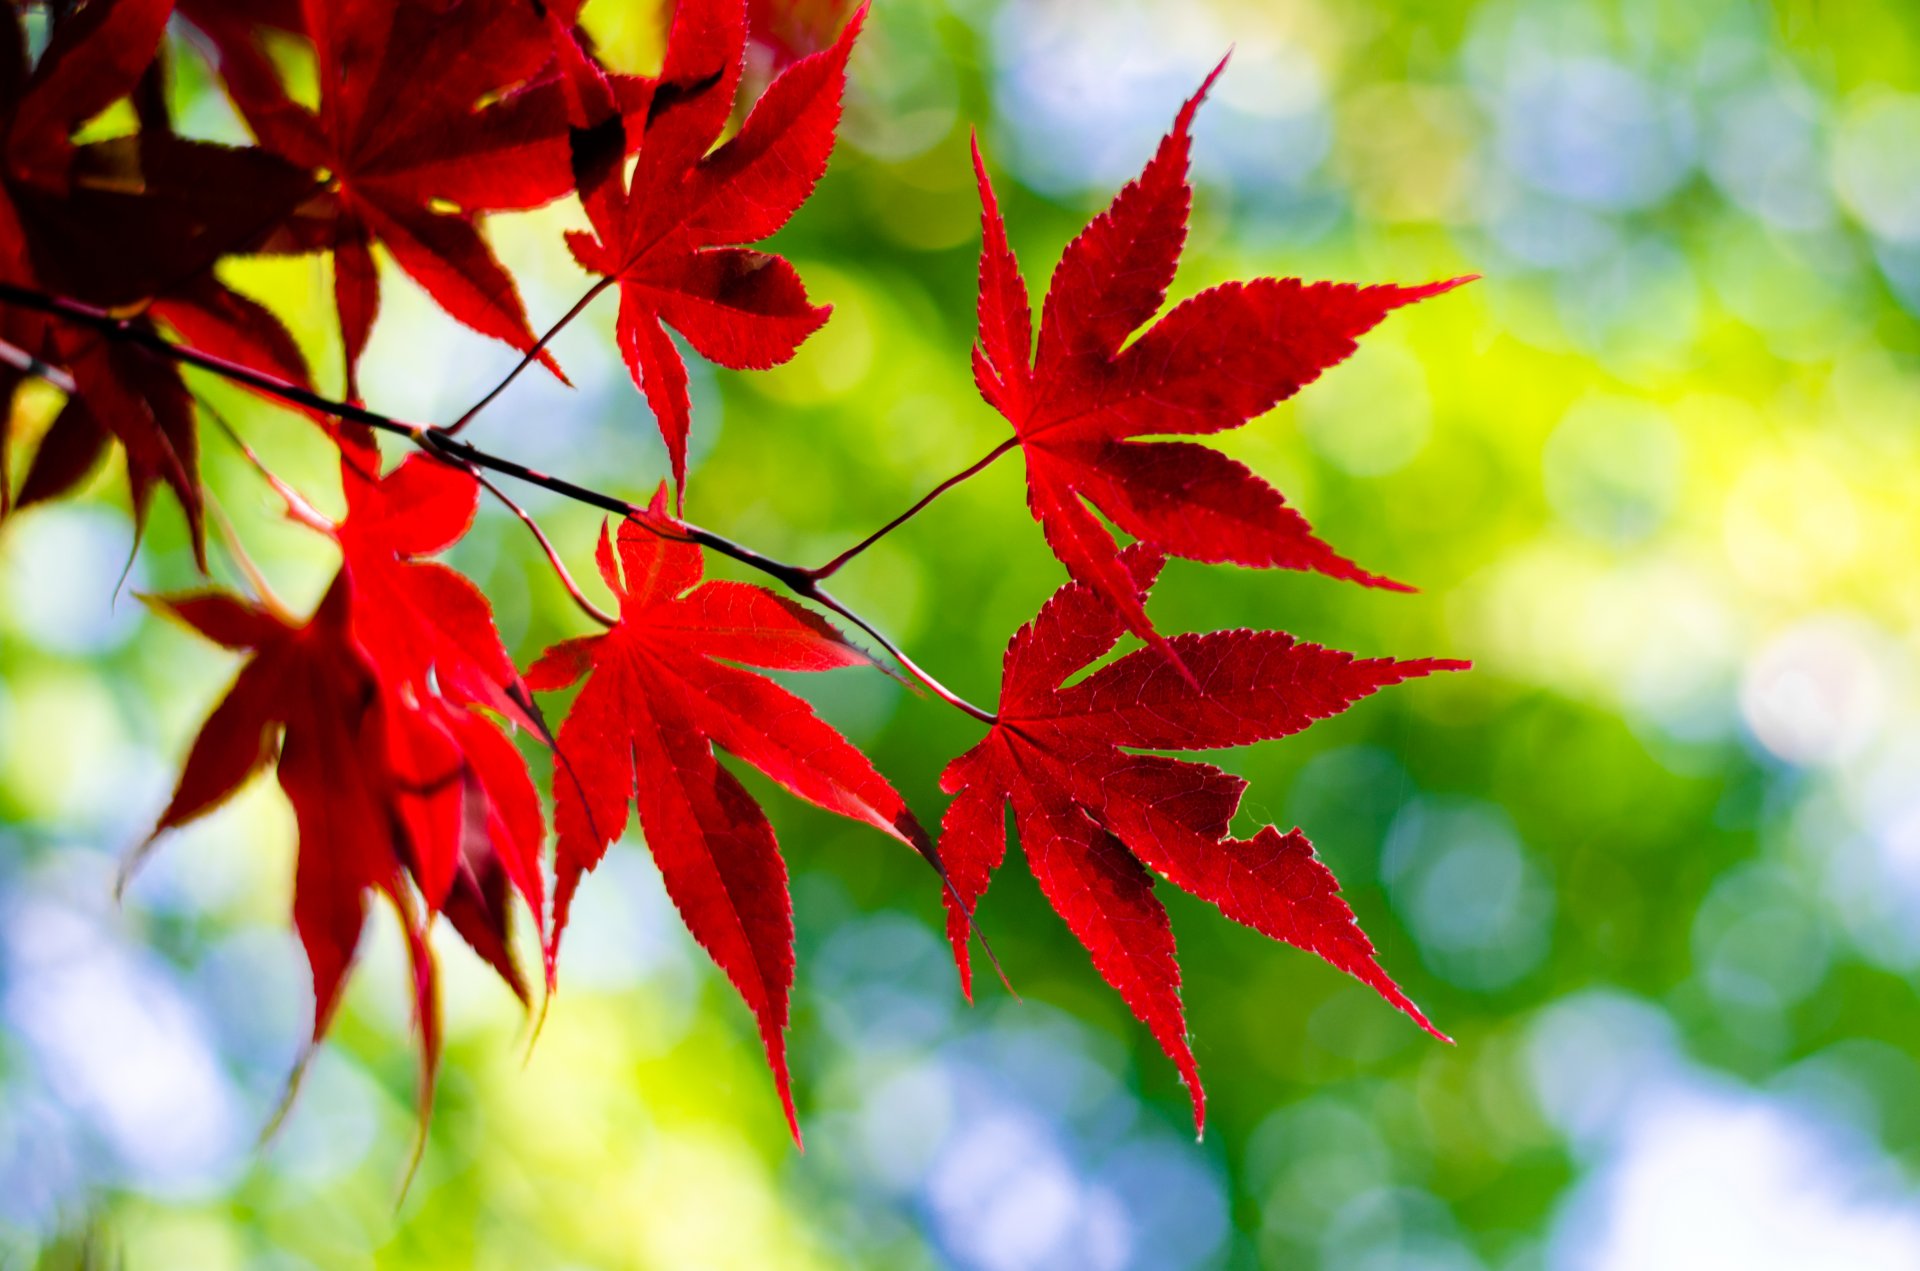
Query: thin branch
938	689
531	356
110	325
298	509
27	364
244	563
436	441
586	606
832	567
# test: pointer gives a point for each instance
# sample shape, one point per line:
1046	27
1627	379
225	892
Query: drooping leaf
664	689
1099	821
430	635
1081	401
309	698
397	791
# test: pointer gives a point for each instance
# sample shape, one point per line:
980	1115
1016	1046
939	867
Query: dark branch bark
441	443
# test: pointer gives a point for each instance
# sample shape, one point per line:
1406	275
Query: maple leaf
674	236
93	58
129	223
417	617
423	108
1215	361
393	771
309	695
117	222
662	693
430	634
126	393
388	782
142	216
1098	820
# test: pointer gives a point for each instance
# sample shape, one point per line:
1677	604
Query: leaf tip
1219	68
1185	118
1427	291
540	1020
1433	666
1419	1017
130	864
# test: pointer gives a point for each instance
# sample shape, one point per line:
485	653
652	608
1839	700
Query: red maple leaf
123	392
662	693
417	617
1097	820
309	694
429	114
430	635
118	221
132	223
92	59
674	235
393	771
1213	362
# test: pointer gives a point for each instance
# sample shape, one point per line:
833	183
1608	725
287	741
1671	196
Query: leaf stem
298	509
832	567
828	601
529	357
580	599
262	589
804	583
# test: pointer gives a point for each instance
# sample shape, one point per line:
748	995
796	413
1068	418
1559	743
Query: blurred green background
1655	862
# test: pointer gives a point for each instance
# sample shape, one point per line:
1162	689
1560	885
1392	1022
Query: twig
938	689
587	606
437	441
298	508
27	364
529	358
244	563
832	567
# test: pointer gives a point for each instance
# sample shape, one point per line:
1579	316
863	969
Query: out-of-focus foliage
1655	862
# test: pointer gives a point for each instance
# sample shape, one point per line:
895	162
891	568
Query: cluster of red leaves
400	782
132	223
389	713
